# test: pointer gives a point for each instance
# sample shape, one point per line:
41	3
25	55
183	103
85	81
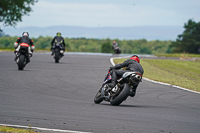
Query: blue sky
112	13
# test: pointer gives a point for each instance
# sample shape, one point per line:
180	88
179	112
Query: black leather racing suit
58	39
24	42
131	66
25	39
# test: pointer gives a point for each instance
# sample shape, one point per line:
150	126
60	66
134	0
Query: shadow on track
132	106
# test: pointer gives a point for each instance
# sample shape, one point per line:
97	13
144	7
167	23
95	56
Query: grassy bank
176	72
181	55
15	130
12	50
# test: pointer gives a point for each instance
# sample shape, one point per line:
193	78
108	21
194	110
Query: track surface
60	96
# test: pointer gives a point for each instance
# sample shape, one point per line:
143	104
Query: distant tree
2	34
11	11
189	40
106	48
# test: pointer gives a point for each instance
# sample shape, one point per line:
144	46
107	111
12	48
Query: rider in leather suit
132	65
24	41
58	38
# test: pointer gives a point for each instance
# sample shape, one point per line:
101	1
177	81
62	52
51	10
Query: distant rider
58	39
116	48
24	41
114	45
132	65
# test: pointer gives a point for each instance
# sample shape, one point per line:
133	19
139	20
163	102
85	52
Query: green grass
6	49
176	72
181	55
12	50
15	130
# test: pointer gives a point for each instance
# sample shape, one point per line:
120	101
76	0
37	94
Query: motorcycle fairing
107	78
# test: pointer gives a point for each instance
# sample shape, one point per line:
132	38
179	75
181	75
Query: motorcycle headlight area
61	51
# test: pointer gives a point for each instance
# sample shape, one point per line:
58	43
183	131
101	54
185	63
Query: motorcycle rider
24	41
58	39
115	47
132	65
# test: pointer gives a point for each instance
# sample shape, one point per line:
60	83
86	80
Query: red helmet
136	58
113	41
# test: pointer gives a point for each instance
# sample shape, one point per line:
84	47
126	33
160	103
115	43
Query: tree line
187	42
141	46
11	12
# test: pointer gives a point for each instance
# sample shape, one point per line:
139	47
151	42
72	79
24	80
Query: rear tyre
98	99
119	98
57	57
21	62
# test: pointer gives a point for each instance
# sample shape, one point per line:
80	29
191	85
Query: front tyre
21	62
98	99
121	96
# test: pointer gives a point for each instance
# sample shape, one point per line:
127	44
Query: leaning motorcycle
121	91
58	52
23	58
117	50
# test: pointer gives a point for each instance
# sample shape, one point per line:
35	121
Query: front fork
107	94
103	94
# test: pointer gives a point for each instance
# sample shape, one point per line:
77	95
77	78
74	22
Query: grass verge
15	130
12	50
181	55
176	72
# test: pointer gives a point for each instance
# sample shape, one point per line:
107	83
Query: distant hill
128	33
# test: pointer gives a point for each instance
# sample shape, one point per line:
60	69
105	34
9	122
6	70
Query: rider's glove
15	45
110	68
32	48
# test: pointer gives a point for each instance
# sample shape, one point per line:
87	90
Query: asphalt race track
60	96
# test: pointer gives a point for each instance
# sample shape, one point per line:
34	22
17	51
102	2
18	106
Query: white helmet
25	34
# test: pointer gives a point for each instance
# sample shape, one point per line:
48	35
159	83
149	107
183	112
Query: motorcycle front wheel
98	99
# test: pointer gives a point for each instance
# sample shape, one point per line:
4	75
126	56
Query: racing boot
133	91
16	55
113	80
28	59
52	50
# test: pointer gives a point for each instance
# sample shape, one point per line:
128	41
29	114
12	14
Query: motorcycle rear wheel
21	62
57	54
121	96
98	99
